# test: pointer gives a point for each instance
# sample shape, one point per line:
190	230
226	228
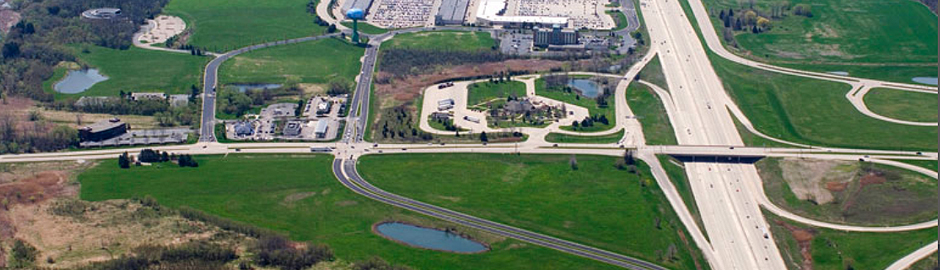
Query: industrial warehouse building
102	130
492	13
452	12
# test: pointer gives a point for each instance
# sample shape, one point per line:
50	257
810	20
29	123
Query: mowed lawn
597	204
813	111
298	195
565	138
652	115
222	25
903	105
442	40
138	70
481	92
839	250
316	61
870	31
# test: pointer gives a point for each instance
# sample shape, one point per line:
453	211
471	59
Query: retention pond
428	238
77	81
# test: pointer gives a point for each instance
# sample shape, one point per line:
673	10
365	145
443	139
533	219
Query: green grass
901	74
482	92
903	105
837	250
652	115
565	138
316	61
675	169
890	31
929	164
223	25
573	97
813	112
254	188
542	193
619	19
442	40
136	70
906	197
653	73
367	28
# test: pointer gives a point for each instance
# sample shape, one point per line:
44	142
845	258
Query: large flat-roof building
452	12
493	13
102	130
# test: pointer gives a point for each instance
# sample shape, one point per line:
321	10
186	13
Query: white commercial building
492	13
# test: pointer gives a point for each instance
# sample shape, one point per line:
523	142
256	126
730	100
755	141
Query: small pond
242	87
428	238
77	81
840	73
586	87
925	80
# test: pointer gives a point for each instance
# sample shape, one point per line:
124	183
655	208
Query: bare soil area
40	207
818	179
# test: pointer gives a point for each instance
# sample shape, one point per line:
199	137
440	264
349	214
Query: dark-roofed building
452	12
293	128
103	130
555	36
244	129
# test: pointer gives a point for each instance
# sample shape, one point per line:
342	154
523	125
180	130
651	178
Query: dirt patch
8	19
836	186
810	180
804	238
872	178
449	198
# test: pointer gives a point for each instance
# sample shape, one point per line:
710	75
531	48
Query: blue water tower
355	14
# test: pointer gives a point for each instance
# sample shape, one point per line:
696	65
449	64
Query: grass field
839	250
482	92
367	28
813	111
653	73
316	62
896	197
751	139
929	164
903	105
889	31
565	138
901	74
298	195
544	194
573	97
619	19
443	40
136	70
652	115
676	171
223	25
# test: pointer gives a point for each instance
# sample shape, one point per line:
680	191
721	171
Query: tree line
37	135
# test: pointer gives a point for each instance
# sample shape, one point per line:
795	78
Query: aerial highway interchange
728	193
